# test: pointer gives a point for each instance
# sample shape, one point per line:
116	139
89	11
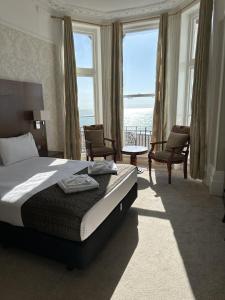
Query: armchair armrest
156	143
112	141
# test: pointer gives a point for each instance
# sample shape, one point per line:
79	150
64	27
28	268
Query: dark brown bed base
73	254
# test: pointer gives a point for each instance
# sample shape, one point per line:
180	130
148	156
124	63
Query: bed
37	216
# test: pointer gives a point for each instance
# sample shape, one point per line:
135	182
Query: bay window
88	64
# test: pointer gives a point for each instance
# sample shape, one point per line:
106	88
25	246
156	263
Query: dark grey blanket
53	212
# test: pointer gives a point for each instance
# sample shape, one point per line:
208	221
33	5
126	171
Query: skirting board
215	181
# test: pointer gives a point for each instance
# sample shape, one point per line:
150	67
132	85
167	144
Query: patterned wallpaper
26	58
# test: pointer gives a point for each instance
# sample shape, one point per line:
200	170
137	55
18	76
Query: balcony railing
136	135
133	135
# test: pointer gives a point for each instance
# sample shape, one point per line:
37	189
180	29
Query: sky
139	67
139	61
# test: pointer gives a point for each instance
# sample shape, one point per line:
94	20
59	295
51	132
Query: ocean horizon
133	117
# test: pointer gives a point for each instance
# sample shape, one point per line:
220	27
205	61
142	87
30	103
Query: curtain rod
141	19
132	21
99	24
78	21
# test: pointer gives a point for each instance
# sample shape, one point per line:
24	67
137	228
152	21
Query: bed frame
17	101
73	254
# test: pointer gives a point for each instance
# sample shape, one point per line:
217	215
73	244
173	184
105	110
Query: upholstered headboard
18	100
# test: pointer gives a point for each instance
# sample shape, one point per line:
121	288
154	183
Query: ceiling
109	9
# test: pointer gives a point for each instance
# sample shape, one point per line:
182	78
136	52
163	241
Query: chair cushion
96	137
176	140
101	151
165	155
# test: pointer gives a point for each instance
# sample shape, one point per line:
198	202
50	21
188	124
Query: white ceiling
109	9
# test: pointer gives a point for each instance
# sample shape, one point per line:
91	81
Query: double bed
36	215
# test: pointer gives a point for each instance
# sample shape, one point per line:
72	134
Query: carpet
170	246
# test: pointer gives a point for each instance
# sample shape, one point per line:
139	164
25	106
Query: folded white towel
78	183
103	167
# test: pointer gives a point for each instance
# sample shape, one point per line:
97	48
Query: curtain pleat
158	130
117	88
106	52
72	126
198	118
172	70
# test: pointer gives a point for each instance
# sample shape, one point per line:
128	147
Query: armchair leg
104	157
114	158
92	158
185	169
169	167
87	157
150	165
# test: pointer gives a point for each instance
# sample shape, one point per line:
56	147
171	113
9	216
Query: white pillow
17	148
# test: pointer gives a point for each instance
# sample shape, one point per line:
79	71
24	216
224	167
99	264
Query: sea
133	117
138	117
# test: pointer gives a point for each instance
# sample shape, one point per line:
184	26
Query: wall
28	52
27	16
216	104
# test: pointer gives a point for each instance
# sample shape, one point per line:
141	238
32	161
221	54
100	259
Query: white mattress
20	181
100	211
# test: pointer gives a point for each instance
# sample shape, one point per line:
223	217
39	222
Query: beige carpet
171	246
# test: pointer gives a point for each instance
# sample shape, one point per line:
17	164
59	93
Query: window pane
86	100
195	36
139	61
139	70
83	50
138	111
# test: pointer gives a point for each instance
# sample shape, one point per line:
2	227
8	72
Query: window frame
190	66
186	65
137	27
95	72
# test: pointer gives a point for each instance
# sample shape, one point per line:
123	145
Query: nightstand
55	154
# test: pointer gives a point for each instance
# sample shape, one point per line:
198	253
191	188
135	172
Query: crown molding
25	31
60	7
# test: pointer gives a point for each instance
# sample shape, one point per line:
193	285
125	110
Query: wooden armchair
95	143
176	151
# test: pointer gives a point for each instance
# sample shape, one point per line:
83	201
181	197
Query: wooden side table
133	151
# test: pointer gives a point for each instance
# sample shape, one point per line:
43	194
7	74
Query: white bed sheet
22	180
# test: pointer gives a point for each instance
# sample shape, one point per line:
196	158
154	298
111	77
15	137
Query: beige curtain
106	52
172	71
198	118
117	90
158	130
72	126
